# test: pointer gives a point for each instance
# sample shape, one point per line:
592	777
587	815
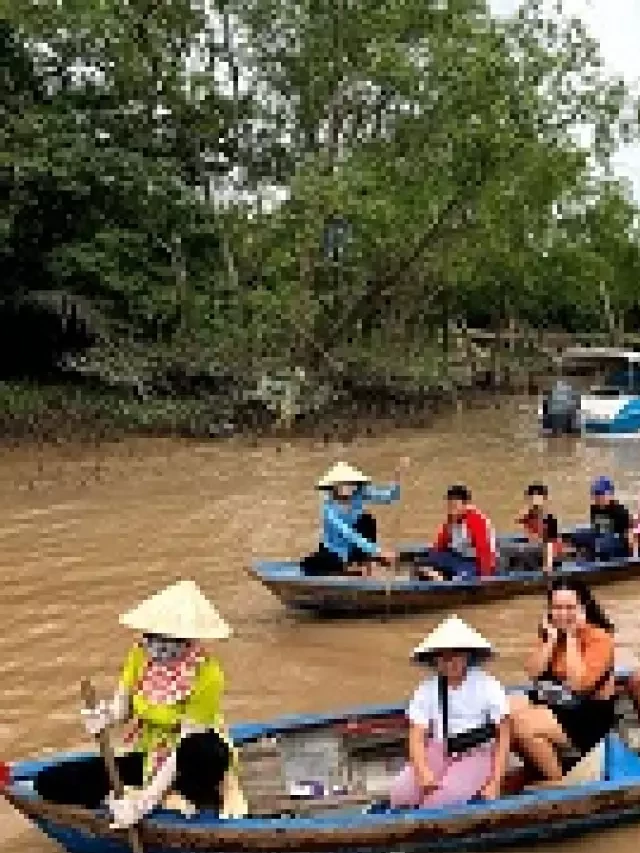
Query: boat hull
349	596
543	815
589	814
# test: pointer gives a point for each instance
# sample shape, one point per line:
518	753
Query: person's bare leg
543	754
174	802
632	689
368	569
427	574
535	734
355	569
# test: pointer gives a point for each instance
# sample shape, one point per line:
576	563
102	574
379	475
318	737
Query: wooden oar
390	572
89	698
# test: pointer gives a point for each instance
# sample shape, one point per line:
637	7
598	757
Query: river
87	531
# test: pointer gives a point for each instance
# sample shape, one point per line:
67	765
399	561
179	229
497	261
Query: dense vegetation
434	165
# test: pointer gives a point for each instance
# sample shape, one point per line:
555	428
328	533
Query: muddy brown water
86	532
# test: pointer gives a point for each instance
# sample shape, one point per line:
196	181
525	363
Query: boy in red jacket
465	546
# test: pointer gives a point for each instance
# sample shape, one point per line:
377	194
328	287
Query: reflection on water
85	532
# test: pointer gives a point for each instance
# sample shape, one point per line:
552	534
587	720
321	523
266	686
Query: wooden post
469	355
496	353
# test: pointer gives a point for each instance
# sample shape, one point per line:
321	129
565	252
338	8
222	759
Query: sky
616	25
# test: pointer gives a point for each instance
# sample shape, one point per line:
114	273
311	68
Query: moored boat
610	408
311	782
401	592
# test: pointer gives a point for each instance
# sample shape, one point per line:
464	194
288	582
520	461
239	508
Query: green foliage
448	142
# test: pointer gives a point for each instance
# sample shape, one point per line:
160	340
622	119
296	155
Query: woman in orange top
570	707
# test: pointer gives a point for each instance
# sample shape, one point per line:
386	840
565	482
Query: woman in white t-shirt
459	736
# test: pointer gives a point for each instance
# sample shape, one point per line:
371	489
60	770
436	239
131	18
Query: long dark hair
594	613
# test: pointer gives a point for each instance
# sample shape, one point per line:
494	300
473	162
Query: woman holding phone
570	707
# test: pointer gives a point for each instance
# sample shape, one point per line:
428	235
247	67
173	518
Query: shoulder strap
443	702
606	675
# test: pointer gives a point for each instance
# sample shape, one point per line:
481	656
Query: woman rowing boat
349	534
170	688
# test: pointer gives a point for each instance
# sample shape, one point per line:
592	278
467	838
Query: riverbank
71	411
115	390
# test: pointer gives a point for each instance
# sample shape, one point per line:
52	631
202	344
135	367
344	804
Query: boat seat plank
348	753
359	728
284	804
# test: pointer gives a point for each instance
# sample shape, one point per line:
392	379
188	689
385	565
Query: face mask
162	649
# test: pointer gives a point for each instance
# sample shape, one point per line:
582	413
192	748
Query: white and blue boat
609	408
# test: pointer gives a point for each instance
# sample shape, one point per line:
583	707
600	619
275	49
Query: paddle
89	698
403	465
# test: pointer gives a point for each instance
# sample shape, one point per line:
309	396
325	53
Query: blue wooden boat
358	751
402	592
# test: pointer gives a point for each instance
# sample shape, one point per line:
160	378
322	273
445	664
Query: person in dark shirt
541	527
543	544
610	535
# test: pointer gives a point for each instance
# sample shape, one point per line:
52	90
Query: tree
446	140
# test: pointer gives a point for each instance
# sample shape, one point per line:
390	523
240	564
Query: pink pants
459	779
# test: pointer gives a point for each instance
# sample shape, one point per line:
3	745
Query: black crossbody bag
553	693
457	745
550	691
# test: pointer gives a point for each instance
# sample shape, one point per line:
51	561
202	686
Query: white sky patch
616	26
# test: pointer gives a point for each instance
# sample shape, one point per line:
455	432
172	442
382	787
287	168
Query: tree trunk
496	353
183	301
609	314
445	334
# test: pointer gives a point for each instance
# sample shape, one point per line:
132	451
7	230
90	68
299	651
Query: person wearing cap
349	534
170	689
458	726
610	534
465	545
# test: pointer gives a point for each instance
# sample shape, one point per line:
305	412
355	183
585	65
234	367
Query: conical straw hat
450	635
342	474
180	611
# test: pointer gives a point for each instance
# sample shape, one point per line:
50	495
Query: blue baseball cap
602	486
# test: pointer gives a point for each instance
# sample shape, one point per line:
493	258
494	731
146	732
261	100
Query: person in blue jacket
349	534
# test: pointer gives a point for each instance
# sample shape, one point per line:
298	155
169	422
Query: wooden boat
357	752
401	592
